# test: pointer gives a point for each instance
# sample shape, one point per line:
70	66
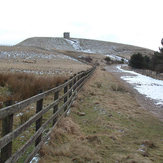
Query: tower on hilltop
66	35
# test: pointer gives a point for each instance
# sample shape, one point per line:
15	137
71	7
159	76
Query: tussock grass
114	127
21	86
68	144
24	117
118	87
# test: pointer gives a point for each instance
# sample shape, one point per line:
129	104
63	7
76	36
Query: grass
114	129
20	86
118	87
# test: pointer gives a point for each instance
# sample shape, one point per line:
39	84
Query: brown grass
22	86
114	129
59	149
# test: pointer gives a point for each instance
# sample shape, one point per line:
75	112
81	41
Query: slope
84	45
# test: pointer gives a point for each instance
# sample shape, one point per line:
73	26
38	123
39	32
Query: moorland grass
21	86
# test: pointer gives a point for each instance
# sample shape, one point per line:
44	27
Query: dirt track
145	102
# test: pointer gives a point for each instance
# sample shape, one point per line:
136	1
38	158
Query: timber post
7	125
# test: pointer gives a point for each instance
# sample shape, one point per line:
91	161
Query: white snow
76	45
151	88
19	114
27	55
35	159
56	71
116	58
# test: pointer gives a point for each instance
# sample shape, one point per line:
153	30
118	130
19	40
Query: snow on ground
35	159
49	72
27	55
151	88
76	45
116	58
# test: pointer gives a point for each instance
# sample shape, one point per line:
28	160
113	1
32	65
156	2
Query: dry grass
115	128
59	149
54	66
118	87
21	86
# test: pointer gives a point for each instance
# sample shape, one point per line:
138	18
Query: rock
81	113
110	115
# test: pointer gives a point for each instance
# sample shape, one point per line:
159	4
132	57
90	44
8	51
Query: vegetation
110	61
19	86
87	59
157	62
107	59
137	61
154	63
114	128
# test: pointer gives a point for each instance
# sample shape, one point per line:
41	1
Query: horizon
136	22
73	38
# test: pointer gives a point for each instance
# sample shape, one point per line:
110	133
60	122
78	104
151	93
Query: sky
134	22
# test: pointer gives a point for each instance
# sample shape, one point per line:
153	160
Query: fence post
7	125
74	82
39	106
65	99
70	86
55	108
83	75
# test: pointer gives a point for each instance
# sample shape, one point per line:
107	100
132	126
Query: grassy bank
106	125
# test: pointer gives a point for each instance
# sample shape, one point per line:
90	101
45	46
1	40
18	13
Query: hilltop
54	55
84	45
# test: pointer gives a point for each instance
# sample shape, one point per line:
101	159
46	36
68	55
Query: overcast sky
135	22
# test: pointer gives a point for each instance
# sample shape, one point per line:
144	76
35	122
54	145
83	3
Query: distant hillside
84	45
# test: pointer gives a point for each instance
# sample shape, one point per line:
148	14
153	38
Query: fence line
70	89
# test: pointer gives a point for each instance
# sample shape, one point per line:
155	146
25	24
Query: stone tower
66	35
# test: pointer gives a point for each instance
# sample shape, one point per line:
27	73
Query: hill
38	61
84	45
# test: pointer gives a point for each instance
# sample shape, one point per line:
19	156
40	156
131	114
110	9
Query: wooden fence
60	106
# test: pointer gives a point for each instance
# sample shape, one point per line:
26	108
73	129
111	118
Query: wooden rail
60	106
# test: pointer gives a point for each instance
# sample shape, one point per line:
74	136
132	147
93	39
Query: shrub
157	62
87	59
137	61
107	59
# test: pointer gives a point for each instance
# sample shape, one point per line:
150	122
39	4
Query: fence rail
60	106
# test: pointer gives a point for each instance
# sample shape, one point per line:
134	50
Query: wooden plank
39	106
65	98
7	125
22	104
40	130
23	127
18	154
36	150
66	104
74	83
29	158
55	108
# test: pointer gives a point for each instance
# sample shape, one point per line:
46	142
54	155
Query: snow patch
76	45
116	58
27	56
35	159
151	88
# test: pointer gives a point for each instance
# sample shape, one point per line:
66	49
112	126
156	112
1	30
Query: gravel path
145	102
